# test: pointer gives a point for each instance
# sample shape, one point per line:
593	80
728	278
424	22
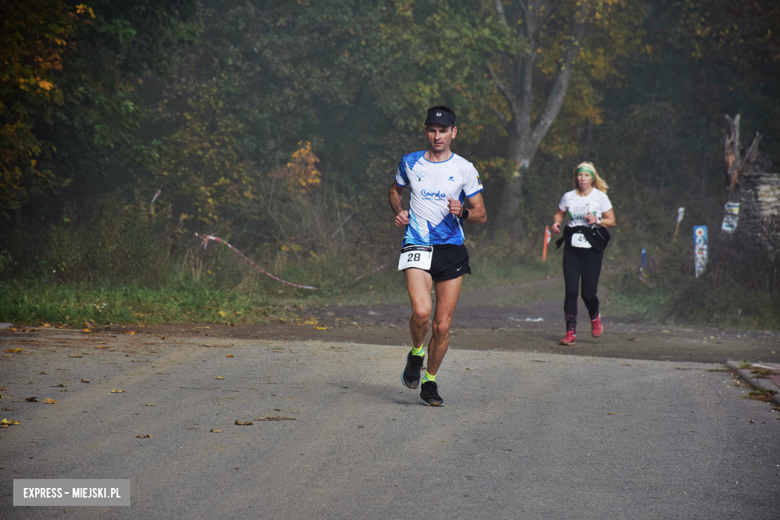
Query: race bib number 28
415	256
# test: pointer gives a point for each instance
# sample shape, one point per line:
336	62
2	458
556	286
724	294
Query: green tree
570	43
34	41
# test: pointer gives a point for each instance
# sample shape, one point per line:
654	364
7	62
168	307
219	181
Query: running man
434	254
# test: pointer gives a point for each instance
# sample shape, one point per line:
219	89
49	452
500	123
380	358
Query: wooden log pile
751	184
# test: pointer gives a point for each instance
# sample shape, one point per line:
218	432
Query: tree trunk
525	135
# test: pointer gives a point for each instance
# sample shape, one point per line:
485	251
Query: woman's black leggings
586	264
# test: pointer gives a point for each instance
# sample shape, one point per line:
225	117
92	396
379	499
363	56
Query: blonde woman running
590	212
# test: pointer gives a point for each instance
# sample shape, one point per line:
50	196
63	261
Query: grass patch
762	395
36	303
670	299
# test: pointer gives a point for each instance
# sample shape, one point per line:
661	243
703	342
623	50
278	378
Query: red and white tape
206	239
217	239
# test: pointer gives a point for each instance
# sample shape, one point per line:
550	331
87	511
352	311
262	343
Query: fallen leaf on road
321	328
665	331
131	332
14	350
218	377
270	418
143	436
150	404
32	399
49	401
247	423
216	431
74	355
86	330
44	373
2	388
230	355
8	423
85	380
8	409
624	365
610	413
115	391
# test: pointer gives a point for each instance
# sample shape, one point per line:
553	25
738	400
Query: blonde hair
599	183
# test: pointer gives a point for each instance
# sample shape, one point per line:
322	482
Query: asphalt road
522	434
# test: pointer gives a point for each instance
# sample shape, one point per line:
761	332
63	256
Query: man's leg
418	284
447	293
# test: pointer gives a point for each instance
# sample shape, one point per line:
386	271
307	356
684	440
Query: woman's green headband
587	169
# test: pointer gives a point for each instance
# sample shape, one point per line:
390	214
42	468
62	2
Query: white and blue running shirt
432	183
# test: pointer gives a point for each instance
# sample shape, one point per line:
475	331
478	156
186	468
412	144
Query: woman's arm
557	220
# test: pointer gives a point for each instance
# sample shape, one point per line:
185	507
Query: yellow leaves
218	377
147	436
49	401
14	350
83	8
222	313
301	171
5	423
116	391
45	85
245	423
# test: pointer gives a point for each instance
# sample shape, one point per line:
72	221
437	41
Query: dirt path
525	317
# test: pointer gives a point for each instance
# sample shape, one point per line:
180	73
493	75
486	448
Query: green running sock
428	377
418	351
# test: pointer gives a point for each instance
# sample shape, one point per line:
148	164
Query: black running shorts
449	262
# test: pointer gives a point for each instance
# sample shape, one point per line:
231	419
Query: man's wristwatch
464	214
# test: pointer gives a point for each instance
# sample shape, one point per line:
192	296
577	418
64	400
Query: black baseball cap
439	116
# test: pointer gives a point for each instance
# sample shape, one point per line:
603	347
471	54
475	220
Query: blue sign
699	249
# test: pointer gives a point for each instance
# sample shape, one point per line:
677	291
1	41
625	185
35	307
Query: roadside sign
699	249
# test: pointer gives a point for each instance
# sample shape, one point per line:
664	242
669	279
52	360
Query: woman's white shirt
595	203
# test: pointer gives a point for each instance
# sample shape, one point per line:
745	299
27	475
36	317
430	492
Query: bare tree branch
501	88
558	93
499	7
501	118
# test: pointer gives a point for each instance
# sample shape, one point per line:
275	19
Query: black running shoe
411	374
430	394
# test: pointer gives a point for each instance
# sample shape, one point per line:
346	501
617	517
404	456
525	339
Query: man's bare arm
477	213
401	215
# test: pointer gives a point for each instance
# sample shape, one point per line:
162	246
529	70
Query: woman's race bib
418	257
579	240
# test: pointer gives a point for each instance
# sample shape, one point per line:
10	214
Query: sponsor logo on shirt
432	195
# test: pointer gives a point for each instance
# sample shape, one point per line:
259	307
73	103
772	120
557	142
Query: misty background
278	126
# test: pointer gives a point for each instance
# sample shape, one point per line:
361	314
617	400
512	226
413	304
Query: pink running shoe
568	339
595	327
